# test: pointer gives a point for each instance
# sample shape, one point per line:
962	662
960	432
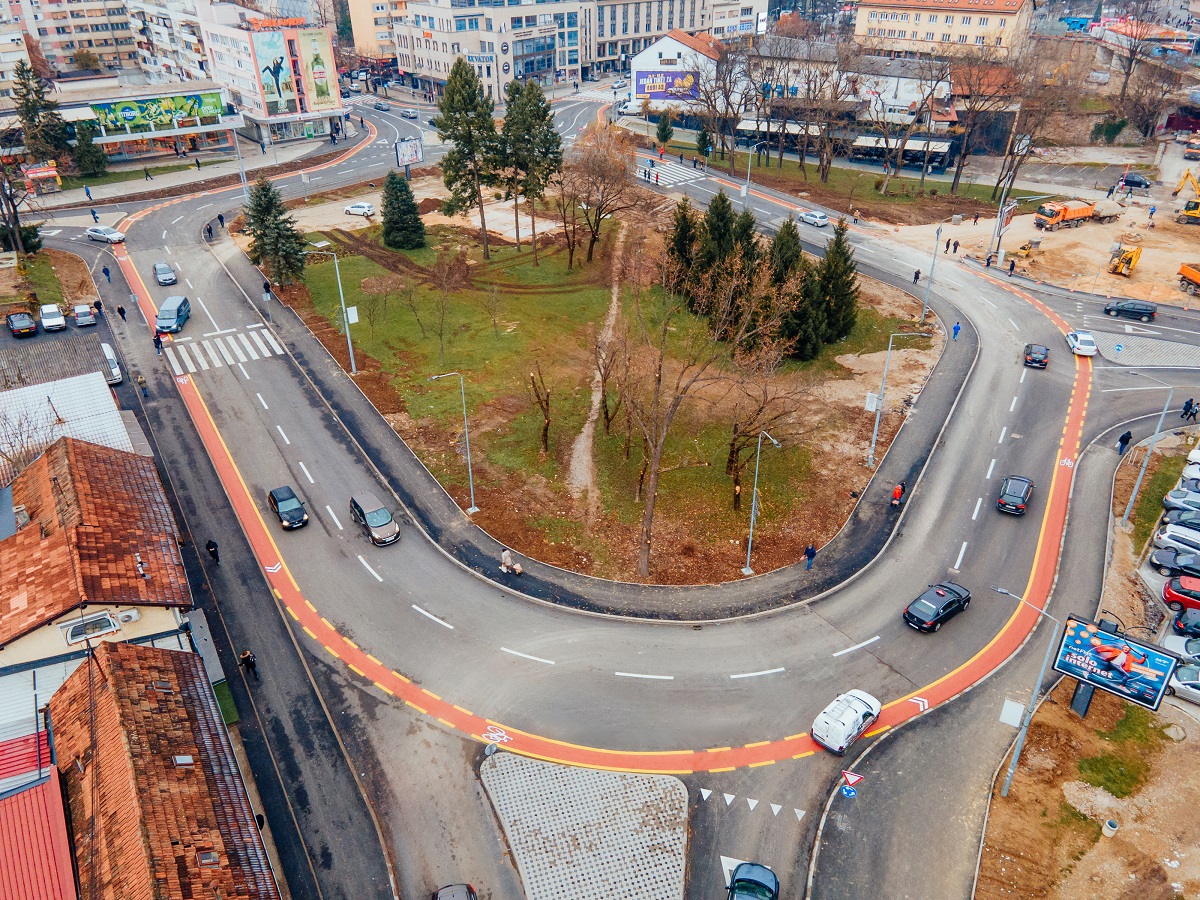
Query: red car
1182	593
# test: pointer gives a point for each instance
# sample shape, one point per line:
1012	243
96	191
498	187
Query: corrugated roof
141	817
36	362
100	529
35	852
703	43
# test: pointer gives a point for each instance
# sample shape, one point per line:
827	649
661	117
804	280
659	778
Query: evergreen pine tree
745	239
43	131
703	142
838	284
464	120
275	240
716	240
664	132
805	324
402	225
785	253
89	159
682	246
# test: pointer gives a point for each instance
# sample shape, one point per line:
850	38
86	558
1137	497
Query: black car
1187	623
936	605
1172	562
1037	356
21	324
1133	180
1188	518
1141	310
1015	492
287	506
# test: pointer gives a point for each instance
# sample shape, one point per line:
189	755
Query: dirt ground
73	275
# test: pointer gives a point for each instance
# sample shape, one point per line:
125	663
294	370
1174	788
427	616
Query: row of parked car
22	324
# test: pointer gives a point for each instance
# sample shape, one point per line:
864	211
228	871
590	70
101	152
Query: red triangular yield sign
851	778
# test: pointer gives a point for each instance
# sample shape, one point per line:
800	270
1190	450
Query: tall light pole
342	299
754	500
883	389
466	435
746	189
237	145
1149	450
1012	765
937	242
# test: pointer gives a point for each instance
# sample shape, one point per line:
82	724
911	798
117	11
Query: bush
1107	129
933	192
879	183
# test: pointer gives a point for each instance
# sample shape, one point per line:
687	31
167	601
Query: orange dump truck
1189	277
1073	213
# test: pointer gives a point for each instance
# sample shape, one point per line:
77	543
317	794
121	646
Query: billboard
1115	663
409	152
274	73
667	85
316	64
157	111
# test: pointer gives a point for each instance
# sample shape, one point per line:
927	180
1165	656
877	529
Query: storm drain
580	834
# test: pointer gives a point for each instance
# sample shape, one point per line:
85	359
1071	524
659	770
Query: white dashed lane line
430	615
640	675
306	475
548	662
333	515
367	566
856	646
756	674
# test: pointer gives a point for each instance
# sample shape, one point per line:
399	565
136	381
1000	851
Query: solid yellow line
588	748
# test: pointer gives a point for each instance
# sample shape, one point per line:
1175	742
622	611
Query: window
979	39
516	22
929	35
88	627
962	38
870	32
891	32
903	17
949	20
998	40
933	18
873	16
945	37
900	34
1000	23
983	20
917	17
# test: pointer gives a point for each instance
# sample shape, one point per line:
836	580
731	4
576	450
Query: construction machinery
1190	214
1189	277
1073	213
1192	150
1188	180
1124	260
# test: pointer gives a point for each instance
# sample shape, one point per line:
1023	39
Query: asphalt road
594	681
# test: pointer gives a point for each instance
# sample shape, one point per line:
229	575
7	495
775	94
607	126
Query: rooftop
37	362
703	43
35	852
157	805
983	6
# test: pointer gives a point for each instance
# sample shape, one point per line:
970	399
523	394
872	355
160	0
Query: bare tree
24	437
377	293
607	357
541	396
411	298
896	121
1042	103
984	86
598	169
829	91
565	194
1148	95
1131	38
449	274
720	87
491	304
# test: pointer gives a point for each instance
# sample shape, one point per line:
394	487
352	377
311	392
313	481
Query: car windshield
291	504
1188	673
752	889
1048	211
377	518
922	607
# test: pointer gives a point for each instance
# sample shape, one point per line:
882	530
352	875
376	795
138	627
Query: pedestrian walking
262	145
916	276
211	547
947	250
158	343
507	565
249	663
99	307
266	287
107	274
987	263
1191	417
146	172
693	162
656	178
1187	407
1110	191
221	219
854	214
1012	264
121	312
141	382
95	216
681	159
1153	210
1123	443
208	231
361	123
975	221
197	165
956	246
956	329
87	192
810	553
898	493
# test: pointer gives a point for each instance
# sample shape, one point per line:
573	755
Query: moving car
750	881
354	87
1141	310
1186	648
842	722
456	892
21	324
1036	356
173	315
1081	343
375	518
1182	592
360	209
52	317
938	604
287	507
1185	683
814	218
409	114
621	83
1187	623
345	95
1133	180
1171	562
106	234
164	274
1177	538
84	315
112	367
381	106
1015	491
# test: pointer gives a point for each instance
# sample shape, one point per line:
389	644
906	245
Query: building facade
942	27
12	51
374	24
169	40
62	27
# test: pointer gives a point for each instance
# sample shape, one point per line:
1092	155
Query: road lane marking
174	362
223	331
367	566
212	354
243	371
176	221
237	351
333	515
164	237
548	662
640	675
246	344
261	346
430	615
990	468
200	360
1012	405
205	206
1015	326
188	283
1003	434
274	344
856	646
306	475
279	428
216	327
1024	372
756	674
978	503
989	302
961	553
187	360
262	401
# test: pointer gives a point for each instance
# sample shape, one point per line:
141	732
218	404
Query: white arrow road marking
705	793
753	803
775	808
922	703
274	568
729	798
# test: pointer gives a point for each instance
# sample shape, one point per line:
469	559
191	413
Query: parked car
1178	538
1185	683
1186	623
287	507
814	218
456	892
1015	491
1181	592
1186	648
106	234
375	518
381	106
1036	356
1133	180
1082	343
164	274
1141	310
360	209
1180	499
52	317
1190	471
354	87
938	604
21	324
84	315
409	114
345	95
1189	486
1188	518
1171	562
751	881
112	366
844	720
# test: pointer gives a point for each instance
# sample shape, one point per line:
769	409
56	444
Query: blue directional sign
1120	347
848	792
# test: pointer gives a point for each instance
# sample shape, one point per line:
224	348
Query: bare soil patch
73	276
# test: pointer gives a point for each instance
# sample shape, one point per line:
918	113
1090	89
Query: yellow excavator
1187	179
1190	213
1124	260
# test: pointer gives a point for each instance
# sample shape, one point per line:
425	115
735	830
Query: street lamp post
883	389
1012	765
754	499
746	189
342	299
237	145
1149	450
466	436
937	242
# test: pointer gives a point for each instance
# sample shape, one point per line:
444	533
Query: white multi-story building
62	27
12	51
170	43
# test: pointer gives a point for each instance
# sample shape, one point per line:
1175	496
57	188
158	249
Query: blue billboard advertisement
666	86
1114	662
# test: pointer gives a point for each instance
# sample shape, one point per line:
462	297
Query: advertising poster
409	152
160	111
316	62
1114	662
667	86
274	73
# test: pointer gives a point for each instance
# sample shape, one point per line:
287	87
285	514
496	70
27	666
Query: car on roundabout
288	508
1171	562
360	209
1082	343
814	218
381	106
407	113
752	881
1037	356
937	605
105	234
1142	310
1015	491
844	720
164	274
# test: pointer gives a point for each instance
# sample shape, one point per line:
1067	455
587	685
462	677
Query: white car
1081	343
1186	648
360	209
52	318
814	218
844	720
1185	683
617	85
409	114
112	371
1177	537
106	234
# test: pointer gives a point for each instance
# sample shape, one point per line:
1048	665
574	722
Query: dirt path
581	474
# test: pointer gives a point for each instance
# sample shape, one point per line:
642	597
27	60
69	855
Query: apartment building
169	40
942	27
63	26
12	51
374	24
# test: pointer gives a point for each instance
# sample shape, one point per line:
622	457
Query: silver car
1178	538
106	234
52	317
375	518
164	274
1186	648
1185	684
84	315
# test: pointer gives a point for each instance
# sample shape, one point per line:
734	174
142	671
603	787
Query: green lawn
1122	770
118	176
40	275
1148	509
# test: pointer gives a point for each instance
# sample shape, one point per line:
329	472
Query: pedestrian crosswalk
219	351
667	173
602	94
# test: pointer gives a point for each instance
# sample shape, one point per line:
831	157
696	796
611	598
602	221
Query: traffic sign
851	778
1120	347
848	792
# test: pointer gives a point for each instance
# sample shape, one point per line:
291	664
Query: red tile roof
93	512
35	852
703	43
158	809
981	6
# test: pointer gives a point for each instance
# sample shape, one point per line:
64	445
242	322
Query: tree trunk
651	498
531	203
592	238
517	215
737	488
482	220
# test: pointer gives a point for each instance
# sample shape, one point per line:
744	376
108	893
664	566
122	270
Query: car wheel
1170	692
966	603
1113	313
1163	570
937	626
1175	606
1145	318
